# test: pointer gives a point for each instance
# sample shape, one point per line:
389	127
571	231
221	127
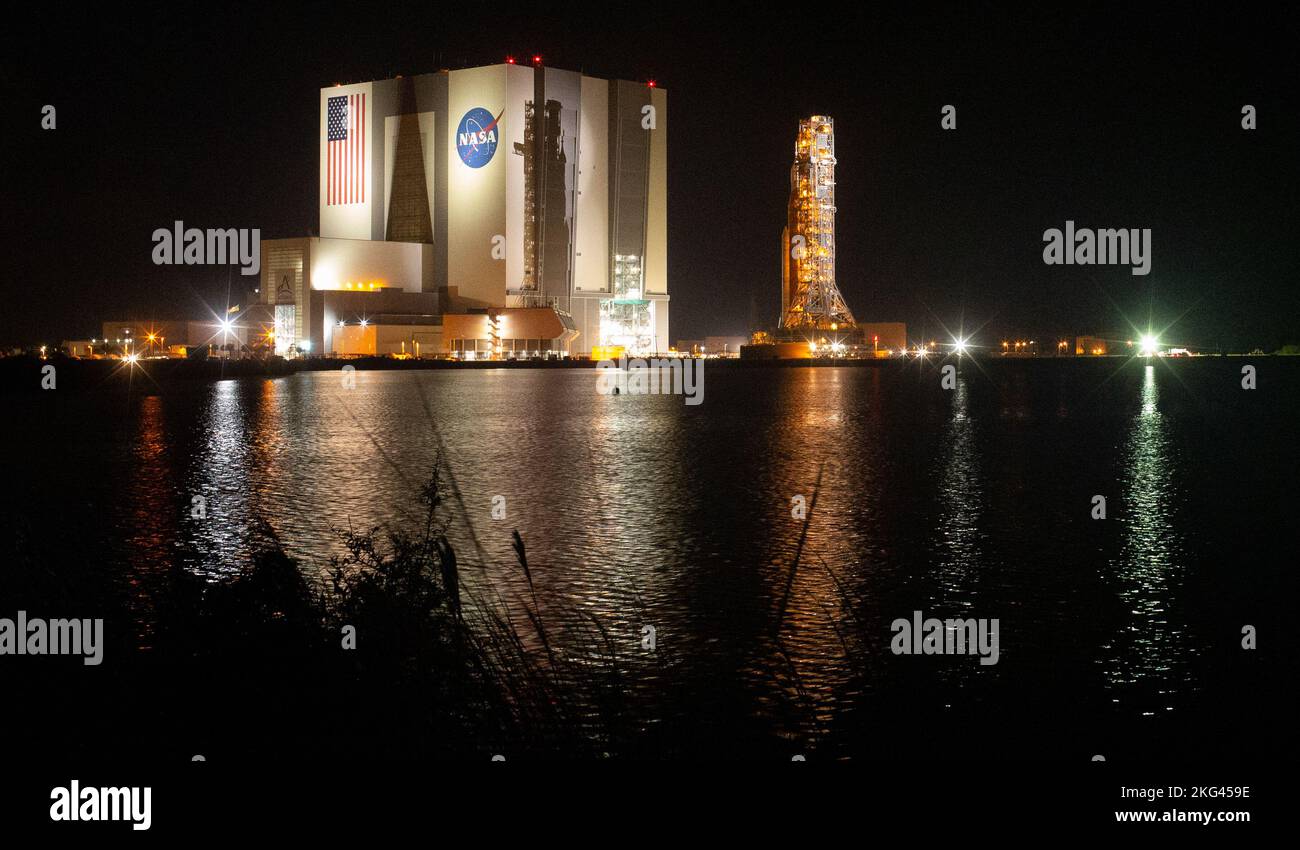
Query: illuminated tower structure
810	300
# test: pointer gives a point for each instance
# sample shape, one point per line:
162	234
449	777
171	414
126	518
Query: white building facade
486	189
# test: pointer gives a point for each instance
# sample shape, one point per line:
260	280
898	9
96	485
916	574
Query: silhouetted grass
436	670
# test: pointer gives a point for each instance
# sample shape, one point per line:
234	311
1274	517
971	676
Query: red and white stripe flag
345	145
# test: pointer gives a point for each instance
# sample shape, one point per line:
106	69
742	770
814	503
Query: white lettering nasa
479	138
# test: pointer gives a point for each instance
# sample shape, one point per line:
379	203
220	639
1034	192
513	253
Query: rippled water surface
974	502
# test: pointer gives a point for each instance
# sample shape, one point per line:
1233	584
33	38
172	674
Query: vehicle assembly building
504	210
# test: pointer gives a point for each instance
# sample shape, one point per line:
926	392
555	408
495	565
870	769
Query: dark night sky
1109	117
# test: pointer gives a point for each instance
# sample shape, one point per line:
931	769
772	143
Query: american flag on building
345	157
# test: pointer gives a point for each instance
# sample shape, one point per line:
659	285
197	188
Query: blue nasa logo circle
476	137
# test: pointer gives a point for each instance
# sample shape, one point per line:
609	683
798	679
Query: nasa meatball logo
476	137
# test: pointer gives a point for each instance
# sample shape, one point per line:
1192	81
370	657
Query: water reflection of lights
810	453
149	502
1152	647
222	479
960	507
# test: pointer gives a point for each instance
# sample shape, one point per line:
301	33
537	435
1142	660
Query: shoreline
25	373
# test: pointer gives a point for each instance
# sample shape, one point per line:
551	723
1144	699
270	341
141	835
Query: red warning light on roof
510	60
651	84
537	60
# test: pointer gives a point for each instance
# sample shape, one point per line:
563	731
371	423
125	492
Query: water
1119	635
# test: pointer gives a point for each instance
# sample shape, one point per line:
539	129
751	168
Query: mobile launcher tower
810	300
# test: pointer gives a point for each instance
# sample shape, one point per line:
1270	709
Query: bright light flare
1149	344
